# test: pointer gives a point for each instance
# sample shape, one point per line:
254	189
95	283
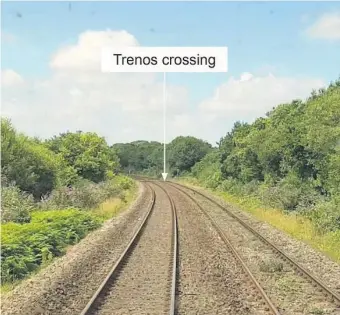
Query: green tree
30	165
87	153
184	152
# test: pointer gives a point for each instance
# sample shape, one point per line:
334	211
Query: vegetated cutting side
68	283
54	192
287	162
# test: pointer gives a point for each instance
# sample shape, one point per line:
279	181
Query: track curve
97	303
333	296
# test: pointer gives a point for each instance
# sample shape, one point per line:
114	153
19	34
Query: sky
51	80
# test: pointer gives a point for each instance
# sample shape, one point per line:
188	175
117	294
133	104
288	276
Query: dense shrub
325	215
87	153
25	247
30	165
15	205
289	159
85	194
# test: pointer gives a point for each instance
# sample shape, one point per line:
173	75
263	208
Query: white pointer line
164	174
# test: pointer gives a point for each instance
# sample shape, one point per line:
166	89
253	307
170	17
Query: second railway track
143	279
328	294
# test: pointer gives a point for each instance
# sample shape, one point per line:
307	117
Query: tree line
289	158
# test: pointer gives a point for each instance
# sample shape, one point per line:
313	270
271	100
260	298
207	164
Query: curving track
143	280
328	294
202	269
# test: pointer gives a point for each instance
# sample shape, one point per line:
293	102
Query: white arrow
164	174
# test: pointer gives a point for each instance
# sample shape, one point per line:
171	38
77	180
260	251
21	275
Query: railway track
322	287
107	287
269	305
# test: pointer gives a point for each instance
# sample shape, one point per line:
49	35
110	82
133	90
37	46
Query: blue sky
261	36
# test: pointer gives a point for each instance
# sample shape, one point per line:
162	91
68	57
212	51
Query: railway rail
329	293
98	297
270	307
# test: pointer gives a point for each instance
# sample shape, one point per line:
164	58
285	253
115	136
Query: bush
85	194
30	165
325	215
15	205
27	246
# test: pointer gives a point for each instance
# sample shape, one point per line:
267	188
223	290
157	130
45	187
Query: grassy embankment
294	225
28	247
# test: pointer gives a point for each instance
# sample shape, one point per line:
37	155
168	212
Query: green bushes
85	194
75	172
30	165
30	239
87	153
289	160
325	215
15	205
25	247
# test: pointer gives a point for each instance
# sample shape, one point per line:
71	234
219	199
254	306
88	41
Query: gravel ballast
210	279
65	286
292	293
143	284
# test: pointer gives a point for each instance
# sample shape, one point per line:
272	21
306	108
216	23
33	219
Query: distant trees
147	157
184	152
140	156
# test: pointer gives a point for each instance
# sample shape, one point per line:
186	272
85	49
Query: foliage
87	153
29	165
85	194
289	159
25	247
15	205
184	152
140	156
208	170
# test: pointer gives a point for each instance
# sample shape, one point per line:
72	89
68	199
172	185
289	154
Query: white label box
164	59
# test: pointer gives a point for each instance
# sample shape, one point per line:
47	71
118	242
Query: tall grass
294	224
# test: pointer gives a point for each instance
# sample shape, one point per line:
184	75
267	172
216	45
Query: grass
297	226
50	235
113	206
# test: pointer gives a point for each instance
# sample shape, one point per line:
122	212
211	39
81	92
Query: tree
30	165
88	153
184	152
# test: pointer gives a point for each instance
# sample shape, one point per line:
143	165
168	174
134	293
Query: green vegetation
284	167
25	247
52	194
143	157
87	153
140	157
288	161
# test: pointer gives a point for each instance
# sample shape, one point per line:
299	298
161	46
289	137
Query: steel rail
175	252
92	303
271	307
329	292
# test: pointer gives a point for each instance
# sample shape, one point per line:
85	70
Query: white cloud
128	106
10	78
327	26
252	96
78	96
86	54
